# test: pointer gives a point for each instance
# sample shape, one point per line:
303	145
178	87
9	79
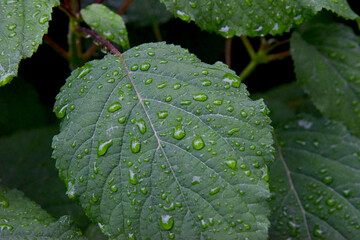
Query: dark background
47	71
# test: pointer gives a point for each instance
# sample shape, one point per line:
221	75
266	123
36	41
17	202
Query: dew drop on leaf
179	132
198	143
167	222
103	147
135	145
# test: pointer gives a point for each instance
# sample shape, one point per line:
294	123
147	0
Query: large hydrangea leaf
157	145
315	181
326	61
21	218
253	17
22	26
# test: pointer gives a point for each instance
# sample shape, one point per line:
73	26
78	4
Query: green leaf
109	24
315	182
285	102
158	144
26	165
139	13
21	218
22	26
326	61
253	17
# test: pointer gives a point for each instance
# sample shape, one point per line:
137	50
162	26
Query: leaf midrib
155	132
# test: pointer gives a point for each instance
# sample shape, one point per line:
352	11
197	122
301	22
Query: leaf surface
157	144
315	182
21	218
326	61
253	17
22	26
106	22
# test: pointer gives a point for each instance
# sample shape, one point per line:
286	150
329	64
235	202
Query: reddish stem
123	7
278	56
100	39
228	47
56	47
89	52
99	1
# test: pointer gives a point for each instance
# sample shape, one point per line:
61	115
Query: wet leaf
315	182
22	26
106	22
21	218
172	148
326	61
253	17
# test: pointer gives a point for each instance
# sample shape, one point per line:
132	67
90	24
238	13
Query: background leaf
162	145
21	218
21	108
286	102
22	26
106	22
315	182
326	61
139	13
253	17
26	164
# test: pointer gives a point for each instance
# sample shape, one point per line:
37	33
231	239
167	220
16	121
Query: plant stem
100	39
75	44
156	29
99	1
87	55
123	7
248	47
248	70
228	47
56	47
278	56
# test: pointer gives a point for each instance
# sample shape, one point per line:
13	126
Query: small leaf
21	218
109	24
22	26
253	17
139	13
326	61
315	182
176	163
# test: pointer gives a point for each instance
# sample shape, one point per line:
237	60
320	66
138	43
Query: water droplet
231	163
122	119
195	180
317	232
135	145
327	179
162	114
43	19
203	224
12	26
145	66
214	191
206	82
103	147
60	111
94	198
148	81
200	97
141	126
167	222
114	107
134	67
232	131
198	143
234	81
177	86
5	226
161	85
185	102
131	236
179	132
113	188
183	16
3	202
217	102
151	54
133	178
